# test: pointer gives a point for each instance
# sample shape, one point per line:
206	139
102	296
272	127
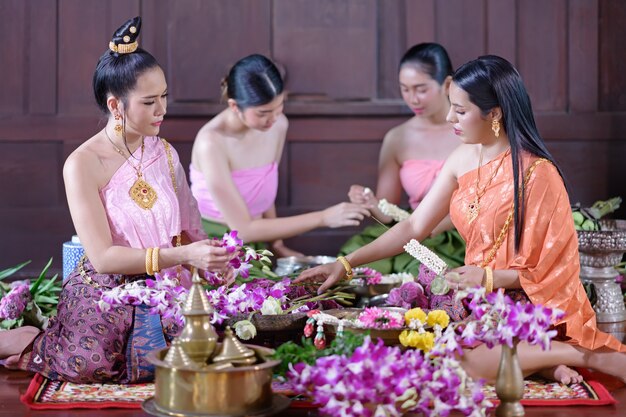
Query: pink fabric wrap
257	186
135	227
417	176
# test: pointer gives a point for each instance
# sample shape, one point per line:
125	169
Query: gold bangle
149	270
155	260
488	280
347	266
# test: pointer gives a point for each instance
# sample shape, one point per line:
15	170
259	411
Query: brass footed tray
279	403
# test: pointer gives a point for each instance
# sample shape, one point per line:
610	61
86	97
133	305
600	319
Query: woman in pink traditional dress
234	163
412	156
505	194
135	215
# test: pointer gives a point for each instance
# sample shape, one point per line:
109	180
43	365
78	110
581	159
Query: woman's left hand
279	250
469	276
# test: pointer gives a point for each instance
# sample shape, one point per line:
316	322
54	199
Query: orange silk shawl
547	260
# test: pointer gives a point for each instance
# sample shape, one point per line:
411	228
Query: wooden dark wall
340	59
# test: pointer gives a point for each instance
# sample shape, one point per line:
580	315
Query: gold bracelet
155	260
488	280
347	266
149	270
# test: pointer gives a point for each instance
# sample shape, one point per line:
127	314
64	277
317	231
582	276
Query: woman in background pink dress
412	156
234	163
135	215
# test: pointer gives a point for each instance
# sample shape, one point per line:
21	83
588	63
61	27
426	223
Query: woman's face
146	104
263	117
424	95
467	119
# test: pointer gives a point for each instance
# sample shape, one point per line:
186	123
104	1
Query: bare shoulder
84	162
463	159
282	123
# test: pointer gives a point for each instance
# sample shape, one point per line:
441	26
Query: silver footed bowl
292	264
603	248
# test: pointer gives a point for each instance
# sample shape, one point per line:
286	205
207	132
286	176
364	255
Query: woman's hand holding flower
331	274
467	276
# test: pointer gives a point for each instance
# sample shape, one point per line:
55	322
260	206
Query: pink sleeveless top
135	227
417	176
257	186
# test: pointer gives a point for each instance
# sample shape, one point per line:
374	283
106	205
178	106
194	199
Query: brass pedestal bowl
194	391
600	251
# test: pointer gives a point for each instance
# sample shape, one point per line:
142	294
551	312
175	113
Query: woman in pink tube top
413	154
135	215
235	157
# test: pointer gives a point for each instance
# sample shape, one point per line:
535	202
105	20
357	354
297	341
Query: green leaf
46	299
11	271
49	284
42	276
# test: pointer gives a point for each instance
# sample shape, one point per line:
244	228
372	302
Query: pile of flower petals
383	381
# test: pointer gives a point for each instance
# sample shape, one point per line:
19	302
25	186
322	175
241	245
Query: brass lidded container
233	351
233	391
198	338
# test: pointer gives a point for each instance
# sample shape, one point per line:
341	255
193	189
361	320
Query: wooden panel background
340	57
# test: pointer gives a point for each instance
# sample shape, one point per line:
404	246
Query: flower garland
370	318
426	256
393	211
377	380
418	322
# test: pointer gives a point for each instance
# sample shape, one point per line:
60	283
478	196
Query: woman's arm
278	247
92	226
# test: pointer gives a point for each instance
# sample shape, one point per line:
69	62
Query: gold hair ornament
123	49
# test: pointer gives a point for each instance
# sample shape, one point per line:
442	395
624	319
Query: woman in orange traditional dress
505	195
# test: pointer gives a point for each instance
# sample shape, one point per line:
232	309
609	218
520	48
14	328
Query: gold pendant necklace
473	208
140	192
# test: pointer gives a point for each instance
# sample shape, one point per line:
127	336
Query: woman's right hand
330	273
344	214
209	255
363	196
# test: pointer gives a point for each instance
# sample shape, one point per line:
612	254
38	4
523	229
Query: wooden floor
13	384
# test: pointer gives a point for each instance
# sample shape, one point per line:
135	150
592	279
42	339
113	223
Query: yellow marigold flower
404	338
415	314
439	317
425	341
413	338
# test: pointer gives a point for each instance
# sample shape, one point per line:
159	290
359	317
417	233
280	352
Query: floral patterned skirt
83	344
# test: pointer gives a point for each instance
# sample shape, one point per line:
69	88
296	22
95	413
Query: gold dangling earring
495	126
118	127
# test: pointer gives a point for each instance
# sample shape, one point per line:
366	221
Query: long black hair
431	58
491	81
117	72
252	81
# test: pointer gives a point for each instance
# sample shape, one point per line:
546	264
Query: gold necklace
473	209
140	192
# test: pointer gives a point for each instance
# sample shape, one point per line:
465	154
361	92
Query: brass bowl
237	391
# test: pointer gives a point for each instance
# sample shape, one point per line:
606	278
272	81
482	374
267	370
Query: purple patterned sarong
84	345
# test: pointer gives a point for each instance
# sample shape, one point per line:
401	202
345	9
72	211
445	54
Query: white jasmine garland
426	256
392	210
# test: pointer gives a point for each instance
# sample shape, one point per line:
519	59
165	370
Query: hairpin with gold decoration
124	39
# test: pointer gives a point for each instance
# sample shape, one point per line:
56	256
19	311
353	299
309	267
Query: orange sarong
547	259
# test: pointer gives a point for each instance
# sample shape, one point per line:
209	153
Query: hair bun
124	40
